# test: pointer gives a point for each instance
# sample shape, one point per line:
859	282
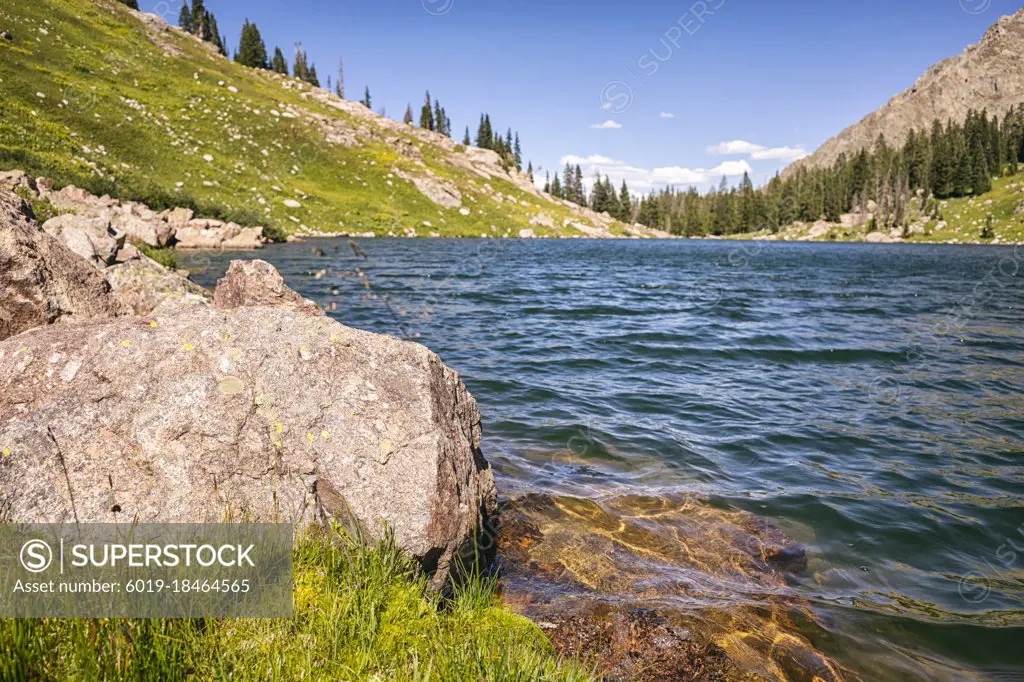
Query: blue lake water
868	400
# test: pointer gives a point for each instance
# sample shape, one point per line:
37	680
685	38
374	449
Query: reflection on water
863	400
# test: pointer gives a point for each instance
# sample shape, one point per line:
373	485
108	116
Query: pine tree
625	204
485	135
278	63
313	80
438	117
185	18
988	231
981	179
962	170
299	68
201	21
556	187
581	196
367	102
529	166
518	151
252	52
219	41
611	206
407	119
465	138
570	190
340	86
598	195
427	114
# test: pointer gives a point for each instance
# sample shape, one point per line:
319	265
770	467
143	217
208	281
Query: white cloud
758	152
779	154
734	147
666	114
674	175
730	169
646	179
607	125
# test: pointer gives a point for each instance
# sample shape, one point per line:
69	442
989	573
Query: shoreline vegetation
993	218
256	147
361	612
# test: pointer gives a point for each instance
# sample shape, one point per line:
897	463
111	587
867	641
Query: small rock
257	283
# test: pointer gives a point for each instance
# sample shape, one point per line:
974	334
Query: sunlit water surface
867	400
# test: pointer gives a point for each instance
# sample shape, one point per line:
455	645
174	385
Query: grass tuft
360	614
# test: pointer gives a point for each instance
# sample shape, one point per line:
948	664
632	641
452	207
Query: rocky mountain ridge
987	75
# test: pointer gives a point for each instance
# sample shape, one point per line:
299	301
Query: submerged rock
660	588
42	281
264	414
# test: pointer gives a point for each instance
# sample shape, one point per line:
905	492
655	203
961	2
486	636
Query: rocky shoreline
127	392
98	227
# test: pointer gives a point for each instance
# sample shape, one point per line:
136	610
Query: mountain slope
988	75
117	102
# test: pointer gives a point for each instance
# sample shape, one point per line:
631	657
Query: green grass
966	217
41	208
963	219
164	256
360	614
120	116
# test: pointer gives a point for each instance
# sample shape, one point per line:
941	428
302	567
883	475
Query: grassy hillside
960	221
359	615
95	96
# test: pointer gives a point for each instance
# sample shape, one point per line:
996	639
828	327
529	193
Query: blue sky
670	81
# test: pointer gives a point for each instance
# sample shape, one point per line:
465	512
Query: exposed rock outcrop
259	413
149	287
41	279
214	234
258	283
989	75
129	219
432	187
94	239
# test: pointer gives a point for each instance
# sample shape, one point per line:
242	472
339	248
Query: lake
866	400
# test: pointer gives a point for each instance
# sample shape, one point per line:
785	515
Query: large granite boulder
153	231
94	239
149	287
258	283
201	233
41	280
257	413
